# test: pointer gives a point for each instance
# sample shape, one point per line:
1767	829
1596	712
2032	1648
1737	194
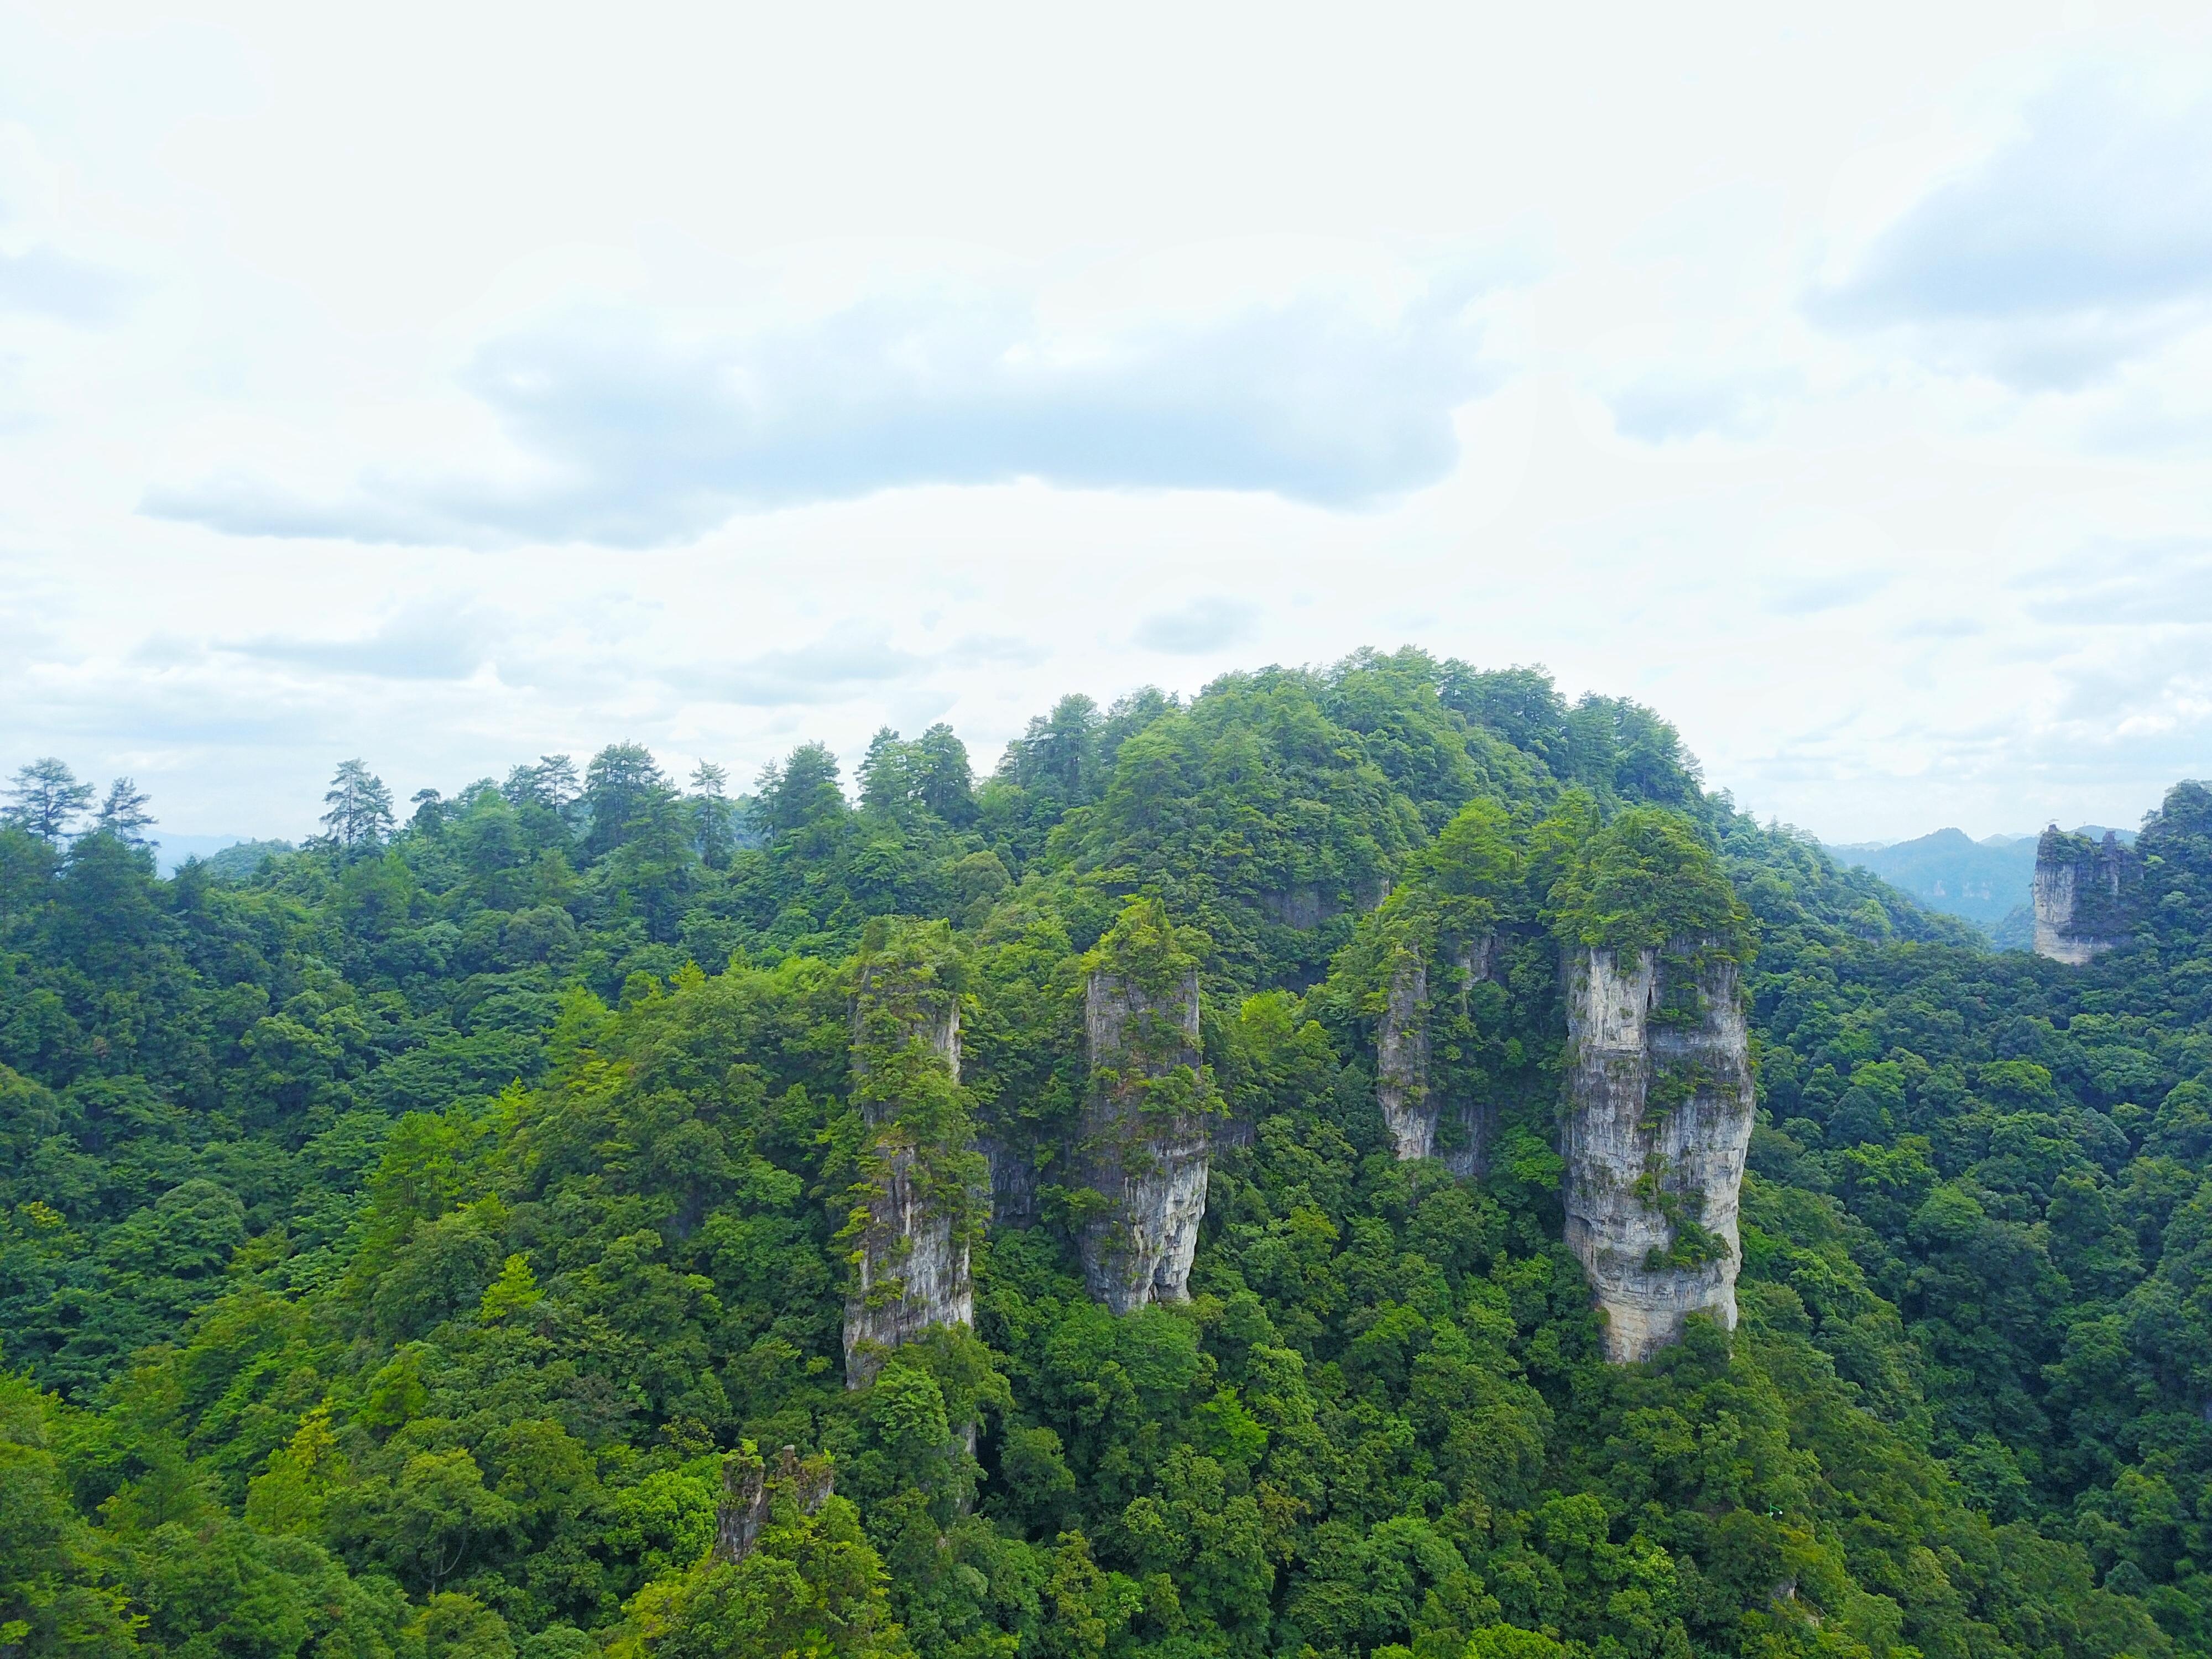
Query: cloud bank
636	435
46	284
2084	241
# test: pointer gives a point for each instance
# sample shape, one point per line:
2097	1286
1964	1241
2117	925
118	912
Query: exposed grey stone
913	1271
1470	1159
1150	1166
1013	1180
1401	1059
2083	896
1637	1020
1304	907
749	1493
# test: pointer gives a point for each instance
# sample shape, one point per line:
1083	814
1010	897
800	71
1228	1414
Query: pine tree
941	776
45	798
621	784
124	814
713	814
360	807
884	786
556	778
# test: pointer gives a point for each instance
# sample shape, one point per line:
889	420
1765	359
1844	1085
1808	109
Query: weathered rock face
1013	1180
1401	1059
912	1267
1659	1116
1304	907
749	1492
1149	1163
1471	1158
2084	895
1411	1105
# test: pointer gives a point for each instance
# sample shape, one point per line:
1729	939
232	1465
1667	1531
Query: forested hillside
404	1239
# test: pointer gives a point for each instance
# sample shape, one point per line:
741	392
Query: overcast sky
446	385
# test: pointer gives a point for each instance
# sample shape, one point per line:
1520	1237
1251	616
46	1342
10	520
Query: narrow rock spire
1659	1116
919	1206
1148	1126
1401	1058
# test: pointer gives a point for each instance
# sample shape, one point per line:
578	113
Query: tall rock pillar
2084	895
1401	1058
1659	1116
1411	1104
1471	1158
920	1203
1147	1131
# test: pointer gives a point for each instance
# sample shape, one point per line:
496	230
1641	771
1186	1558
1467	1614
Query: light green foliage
1151	966
1643	880
813	1587
912	1111
395	1234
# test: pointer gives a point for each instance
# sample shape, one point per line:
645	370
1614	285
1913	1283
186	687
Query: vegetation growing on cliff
396	1237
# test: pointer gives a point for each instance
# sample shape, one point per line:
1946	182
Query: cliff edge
2084	895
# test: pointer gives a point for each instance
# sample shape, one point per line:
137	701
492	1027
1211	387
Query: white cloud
1672	404
445	642
2083	242
2160	585
42	281
721	378
1202	625
636	435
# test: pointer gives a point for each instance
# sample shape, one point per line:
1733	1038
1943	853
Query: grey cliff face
1304	907
749	1488
914	1272
1471	1158
1659	1117
2083	896
1013	1180
1150	1165
1401	1059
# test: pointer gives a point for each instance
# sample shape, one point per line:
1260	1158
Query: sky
447	386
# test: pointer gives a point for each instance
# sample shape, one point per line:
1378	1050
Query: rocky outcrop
1412	1106
1304	907
1146	1140
913	1252
1659	1115
1470	1159
750	1492
1401	1059
1013	1168
2084	895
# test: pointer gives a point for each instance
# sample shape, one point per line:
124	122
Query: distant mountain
233	856
1985	881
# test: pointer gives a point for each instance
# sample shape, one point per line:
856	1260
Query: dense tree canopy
397	1235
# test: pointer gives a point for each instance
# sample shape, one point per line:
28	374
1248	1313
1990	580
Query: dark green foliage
1643	880
396	1235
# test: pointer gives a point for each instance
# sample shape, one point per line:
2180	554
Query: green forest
428	1240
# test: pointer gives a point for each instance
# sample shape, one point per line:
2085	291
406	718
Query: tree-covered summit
399	1238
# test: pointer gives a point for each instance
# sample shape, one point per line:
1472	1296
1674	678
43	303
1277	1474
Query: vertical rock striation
2084	895
1013	1175
1659	1116
1146	1139
913	1251
1471	1158
1401	1059
749	1492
